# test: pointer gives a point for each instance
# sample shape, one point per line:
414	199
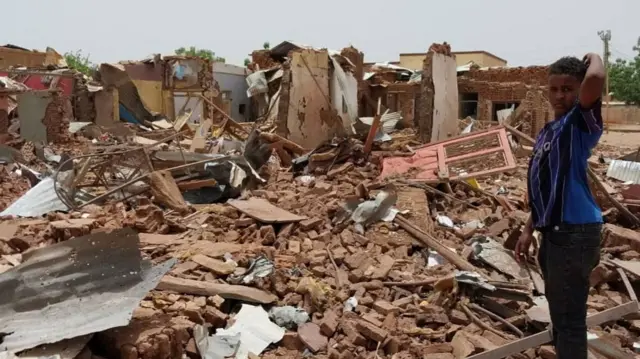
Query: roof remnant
82	286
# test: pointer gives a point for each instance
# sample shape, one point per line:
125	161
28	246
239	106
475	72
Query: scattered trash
350	304
288	316
251	332
260	267
445	221
494	254
367	212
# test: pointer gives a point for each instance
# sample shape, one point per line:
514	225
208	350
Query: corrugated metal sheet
624	171
388	121
82	286
77	126
39	200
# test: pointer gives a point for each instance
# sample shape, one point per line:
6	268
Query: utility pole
605	36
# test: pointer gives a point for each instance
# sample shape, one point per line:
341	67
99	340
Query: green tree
78	61
266	45
624	78
247	62
203	53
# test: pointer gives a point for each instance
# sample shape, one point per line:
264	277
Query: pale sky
522	32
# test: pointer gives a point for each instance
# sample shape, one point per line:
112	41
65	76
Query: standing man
563	209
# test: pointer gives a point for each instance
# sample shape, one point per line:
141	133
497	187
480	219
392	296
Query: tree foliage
78	61
624	78
247	61
203	53
266	45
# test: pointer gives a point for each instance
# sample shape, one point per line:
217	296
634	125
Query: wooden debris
166	192
263	211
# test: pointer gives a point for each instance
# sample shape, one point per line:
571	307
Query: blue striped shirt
557	178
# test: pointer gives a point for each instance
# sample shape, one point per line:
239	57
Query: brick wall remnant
535	111
56	118
261	60
424	121
532	75
4	114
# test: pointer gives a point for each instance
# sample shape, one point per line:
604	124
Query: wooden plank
182	120
226	291
627	285
545	337
263	211
197	184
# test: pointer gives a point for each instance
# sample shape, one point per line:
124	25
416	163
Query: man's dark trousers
568	254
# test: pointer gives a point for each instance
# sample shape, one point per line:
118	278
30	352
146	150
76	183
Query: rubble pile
178	239
335	287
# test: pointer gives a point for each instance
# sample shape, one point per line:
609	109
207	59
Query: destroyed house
492	94
161	87
309	94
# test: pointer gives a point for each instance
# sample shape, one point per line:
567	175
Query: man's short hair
569	65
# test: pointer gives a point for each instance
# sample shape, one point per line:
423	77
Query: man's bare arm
591	87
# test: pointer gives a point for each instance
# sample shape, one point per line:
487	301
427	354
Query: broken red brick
310	223
383	307
329	323
291	341
312	338
371	331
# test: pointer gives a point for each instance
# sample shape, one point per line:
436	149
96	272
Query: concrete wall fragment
106	105
344	95
438	112
445	104
32	107
309	119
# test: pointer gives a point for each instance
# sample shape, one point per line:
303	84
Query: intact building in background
481	58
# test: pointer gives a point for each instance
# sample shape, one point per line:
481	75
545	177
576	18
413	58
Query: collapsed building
486	92
335	86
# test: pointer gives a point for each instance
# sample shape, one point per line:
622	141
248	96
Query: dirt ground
622	139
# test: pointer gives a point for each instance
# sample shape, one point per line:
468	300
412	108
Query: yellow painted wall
151	94
490	61
476	57
414	61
